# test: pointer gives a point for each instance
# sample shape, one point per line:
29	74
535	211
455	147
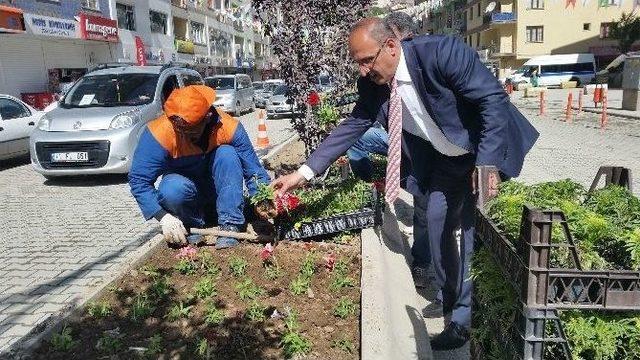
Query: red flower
313	99
286	202
330	261
267	252
379	185
342	160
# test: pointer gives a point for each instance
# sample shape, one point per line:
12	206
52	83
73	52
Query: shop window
197	33
158	22
535	34
91	4
126	17
536	4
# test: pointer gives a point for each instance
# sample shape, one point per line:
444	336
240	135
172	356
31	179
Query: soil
236	337
288	161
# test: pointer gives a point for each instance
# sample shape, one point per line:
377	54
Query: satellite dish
490	7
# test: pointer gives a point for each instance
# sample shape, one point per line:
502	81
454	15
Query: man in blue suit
455	116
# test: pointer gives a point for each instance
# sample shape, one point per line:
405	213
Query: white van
556	69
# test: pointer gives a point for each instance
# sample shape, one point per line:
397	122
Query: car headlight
44	123
124	120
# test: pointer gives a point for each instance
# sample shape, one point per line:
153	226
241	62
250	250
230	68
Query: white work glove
173	229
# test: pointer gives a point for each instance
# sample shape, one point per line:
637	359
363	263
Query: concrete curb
276	149
392	322
23	348
610	112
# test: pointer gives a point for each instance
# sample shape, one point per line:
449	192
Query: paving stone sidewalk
60	239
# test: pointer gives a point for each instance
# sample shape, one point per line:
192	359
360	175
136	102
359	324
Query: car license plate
70	157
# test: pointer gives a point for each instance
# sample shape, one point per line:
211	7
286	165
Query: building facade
507	33
56	41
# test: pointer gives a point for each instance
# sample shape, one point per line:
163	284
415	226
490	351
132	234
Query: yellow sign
184	46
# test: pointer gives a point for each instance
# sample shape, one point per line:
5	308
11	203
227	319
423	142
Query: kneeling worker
204	157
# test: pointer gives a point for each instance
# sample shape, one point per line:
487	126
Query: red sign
140	56
11	20
98	28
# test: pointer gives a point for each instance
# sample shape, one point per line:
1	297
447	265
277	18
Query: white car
17	120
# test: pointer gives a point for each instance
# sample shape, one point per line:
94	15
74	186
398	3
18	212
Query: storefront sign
140	52
51	26
11	20
184	46
98	28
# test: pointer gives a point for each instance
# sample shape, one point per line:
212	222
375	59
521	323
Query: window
536	4
535	34
470	14
197	33
189	79
586	26
112	90
91	4
126	17
10	109
605	30
478	9
158	22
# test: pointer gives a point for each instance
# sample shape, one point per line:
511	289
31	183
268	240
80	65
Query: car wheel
578	83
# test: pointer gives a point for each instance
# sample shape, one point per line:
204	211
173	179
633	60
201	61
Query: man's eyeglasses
370	61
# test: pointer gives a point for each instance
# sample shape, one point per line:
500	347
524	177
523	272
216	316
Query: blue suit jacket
463	98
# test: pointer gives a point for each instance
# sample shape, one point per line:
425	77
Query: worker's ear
212	115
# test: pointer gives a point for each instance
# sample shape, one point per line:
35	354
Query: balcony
179	3
499	18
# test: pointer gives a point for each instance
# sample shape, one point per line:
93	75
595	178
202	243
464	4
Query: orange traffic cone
263	138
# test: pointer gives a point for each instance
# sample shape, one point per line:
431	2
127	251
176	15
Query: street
61	238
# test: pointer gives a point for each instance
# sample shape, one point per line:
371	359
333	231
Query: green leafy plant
208	264
256	311
141	307
160	287
99	309
343	344
213	315
178	311
150	271
264	193
248	290
308	267
63	341
203	349
238	266
186	267
109	344
344	308
272	272
300	285
327	115
340	279
293	343
204	288
155	346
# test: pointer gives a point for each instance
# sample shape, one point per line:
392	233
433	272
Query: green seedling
155	346
308	267
150	271
203	349
300	285
108	344
99	309
207	264
343	344
293	343
213	315
63	341
263	193
179	311
186	267
255	312
340	278
160	287
205	288
238	266
248	290
141	307
272	272
344	308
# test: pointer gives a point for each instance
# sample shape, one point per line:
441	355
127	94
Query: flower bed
605	230
249	302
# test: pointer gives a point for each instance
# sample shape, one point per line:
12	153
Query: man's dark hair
403	23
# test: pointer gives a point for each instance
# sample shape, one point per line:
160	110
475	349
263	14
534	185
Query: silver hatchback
96	127
234	93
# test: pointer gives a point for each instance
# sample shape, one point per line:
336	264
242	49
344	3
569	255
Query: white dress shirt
415	118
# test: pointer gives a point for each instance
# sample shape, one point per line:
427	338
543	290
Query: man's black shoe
452	337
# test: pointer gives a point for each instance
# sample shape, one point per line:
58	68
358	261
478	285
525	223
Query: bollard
579	102
569	111
597	96
541	113
603	118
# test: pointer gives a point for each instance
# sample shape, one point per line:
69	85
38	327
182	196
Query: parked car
267	91
556	69
17	121
279	104
324	84
234	93
97	124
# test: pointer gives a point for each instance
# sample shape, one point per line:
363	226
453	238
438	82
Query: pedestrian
534	77
204	157
376	141
448	114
